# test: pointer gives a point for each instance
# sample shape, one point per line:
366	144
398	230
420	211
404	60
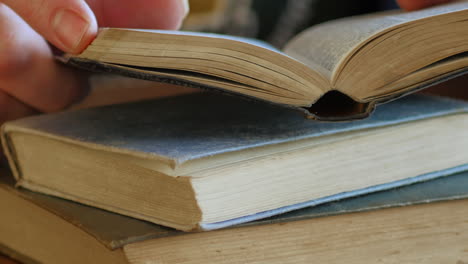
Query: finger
155	14
11	109
411	5
68	24
28	71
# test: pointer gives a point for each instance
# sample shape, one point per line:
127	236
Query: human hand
30	80
411	5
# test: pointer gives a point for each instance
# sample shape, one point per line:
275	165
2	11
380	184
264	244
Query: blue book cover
163	148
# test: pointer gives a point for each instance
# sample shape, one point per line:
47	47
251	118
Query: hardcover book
207	161
333	71
401	225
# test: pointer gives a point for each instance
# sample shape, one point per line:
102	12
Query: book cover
191	127
115	231
195	126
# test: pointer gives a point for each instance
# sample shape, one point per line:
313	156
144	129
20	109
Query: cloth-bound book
401	225
205	161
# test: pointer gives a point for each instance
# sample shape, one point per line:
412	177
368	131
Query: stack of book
211	178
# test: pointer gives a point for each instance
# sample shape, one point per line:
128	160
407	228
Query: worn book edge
95	221
336	197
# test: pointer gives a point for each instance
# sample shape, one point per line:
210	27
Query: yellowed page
330	44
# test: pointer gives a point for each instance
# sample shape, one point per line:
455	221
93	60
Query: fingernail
70	28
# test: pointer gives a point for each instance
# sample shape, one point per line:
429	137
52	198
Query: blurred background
275	21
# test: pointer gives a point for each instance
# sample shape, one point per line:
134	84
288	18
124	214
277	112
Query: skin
411	5
32	82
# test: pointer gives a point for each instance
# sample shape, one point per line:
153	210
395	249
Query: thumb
68	24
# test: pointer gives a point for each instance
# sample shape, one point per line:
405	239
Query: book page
330	43
203	60
251	41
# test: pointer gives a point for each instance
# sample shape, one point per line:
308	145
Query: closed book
418	223
204	161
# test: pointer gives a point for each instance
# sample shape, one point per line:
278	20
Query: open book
333	71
